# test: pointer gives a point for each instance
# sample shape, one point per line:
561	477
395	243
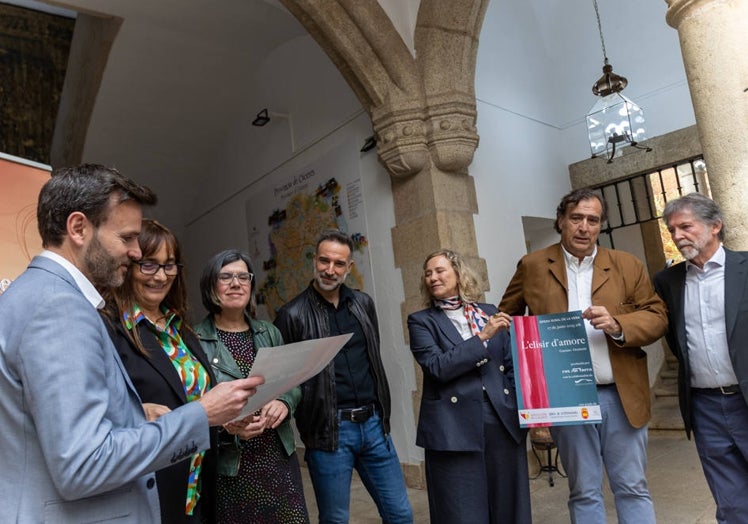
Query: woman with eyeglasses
259	480
165	362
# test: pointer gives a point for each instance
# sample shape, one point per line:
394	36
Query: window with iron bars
641	198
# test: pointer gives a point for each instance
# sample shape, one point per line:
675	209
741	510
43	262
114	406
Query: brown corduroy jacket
620	283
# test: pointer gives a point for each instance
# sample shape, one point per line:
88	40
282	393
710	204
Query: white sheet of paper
285	367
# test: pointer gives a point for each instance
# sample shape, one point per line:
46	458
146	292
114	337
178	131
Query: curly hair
468	287
573	199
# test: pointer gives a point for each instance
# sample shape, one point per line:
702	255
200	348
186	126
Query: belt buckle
726	390
359	415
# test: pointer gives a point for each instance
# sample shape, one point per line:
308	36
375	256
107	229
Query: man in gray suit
707	300
74	444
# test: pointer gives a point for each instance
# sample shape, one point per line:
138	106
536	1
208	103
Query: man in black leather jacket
344	414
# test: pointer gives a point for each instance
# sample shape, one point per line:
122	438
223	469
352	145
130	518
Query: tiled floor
676	483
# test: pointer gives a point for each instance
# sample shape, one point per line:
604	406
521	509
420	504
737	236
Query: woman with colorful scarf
165	363
476	459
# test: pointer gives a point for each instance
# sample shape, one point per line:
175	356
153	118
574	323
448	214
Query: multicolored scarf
194	377
476	317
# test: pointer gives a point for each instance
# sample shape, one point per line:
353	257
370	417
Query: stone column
714	38
423	114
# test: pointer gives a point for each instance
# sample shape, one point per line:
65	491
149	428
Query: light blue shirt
706	334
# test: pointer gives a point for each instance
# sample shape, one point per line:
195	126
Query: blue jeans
621	449
720	429
365	447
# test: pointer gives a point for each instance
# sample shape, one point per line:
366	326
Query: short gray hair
703	208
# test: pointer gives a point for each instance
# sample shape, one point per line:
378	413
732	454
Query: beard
689	251
102	268
692	249
329	284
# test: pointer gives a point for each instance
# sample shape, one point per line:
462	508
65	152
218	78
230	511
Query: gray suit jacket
74	444
670	284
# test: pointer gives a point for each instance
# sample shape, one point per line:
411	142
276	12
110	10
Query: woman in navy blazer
476	459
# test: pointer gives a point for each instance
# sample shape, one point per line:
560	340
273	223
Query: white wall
532	102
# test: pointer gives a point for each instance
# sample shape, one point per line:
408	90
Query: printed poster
553	371
285	367
20	182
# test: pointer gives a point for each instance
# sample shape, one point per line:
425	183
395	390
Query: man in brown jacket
622	313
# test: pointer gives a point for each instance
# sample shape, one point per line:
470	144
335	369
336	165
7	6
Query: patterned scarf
476	317
193	375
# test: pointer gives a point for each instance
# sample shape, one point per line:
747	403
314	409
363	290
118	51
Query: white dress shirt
579	280
706	335
85	285
457	316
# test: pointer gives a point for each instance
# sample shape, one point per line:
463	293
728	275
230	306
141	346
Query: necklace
232	327
159	322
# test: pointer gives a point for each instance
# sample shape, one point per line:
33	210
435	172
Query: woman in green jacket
259	478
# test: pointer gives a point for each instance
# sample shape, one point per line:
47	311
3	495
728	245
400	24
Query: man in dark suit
707	299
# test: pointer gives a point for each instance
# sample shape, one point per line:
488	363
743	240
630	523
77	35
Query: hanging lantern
614	121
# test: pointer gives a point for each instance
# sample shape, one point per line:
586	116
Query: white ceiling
179	69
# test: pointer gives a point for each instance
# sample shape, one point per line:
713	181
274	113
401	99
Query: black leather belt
358	415
722	390
612	384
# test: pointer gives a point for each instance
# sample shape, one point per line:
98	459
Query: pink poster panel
19	238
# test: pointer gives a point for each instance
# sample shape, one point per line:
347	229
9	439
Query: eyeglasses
151	268
228	278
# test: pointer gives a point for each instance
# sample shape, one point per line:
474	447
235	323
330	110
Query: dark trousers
720	428
481	487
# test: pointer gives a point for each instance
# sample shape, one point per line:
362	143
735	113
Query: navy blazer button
501	368
151	482
506	391
454	400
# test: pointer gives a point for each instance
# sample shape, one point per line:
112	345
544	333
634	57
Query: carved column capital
452	135
401	140
679	10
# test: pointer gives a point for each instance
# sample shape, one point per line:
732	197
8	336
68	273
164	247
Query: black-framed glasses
243	277
151	268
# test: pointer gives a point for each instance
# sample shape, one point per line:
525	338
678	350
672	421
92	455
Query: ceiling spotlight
369	144
261	119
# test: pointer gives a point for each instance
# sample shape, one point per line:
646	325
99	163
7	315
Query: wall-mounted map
285	220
